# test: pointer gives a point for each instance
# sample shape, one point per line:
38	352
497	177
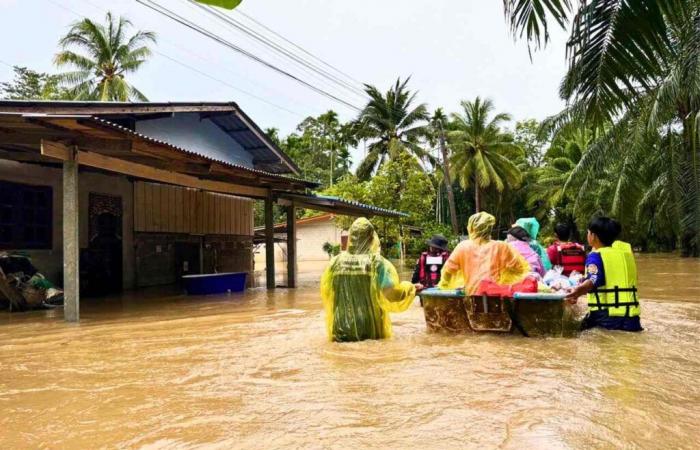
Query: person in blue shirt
610	281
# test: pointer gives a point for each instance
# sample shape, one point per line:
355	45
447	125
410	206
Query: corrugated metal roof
227	115
125	130
339	205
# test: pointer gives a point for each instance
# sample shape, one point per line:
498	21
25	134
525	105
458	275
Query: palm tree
438	123
107	56
482	152
393	125
641	56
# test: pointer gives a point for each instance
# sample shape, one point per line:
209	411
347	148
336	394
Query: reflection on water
255	371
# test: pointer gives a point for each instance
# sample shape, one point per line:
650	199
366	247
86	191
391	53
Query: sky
452	49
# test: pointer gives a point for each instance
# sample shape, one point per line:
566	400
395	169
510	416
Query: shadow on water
158	369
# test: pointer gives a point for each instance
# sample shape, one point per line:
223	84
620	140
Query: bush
331	249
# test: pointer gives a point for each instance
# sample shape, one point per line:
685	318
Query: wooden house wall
162	208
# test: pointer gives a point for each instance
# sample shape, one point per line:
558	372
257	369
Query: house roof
282	226
227	116
337	205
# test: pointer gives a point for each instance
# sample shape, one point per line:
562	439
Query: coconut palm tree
102	55
482	153
438	122
641	56
393	124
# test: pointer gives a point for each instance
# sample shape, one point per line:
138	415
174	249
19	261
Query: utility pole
448	180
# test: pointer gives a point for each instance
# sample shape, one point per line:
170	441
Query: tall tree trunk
477	196
448	181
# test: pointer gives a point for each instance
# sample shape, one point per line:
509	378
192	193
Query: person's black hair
606	229
563	231
519	233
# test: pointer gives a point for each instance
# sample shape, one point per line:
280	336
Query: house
312	233
117	196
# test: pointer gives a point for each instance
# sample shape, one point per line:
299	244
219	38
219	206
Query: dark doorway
102	261
187	258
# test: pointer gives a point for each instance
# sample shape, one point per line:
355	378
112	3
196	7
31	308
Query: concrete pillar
291	247
71	244
269	244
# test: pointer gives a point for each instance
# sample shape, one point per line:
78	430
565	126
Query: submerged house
111	196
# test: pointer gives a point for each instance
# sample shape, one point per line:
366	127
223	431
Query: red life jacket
429	274
571	256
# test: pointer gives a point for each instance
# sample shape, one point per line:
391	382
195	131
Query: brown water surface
255	371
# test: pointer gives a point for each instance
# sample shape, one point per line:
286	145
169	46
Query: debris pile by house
22	287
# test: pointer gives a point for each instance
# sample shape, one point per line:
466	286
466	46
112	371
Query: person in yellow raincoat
480	258
360	288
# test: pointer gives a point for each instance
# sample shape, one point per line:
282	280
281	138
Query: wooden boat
534	314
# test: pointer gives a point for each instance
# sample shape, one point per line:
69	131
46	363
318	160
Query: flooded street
256	371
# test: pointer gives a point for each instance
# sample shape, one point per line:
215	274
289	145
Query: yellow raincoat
360	288
480	258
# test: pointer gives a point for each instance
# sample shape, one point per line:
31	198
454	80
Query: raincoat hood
480	226
362	238
530	224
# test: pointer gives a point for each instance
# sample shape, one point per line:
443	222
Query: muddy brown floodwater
255	371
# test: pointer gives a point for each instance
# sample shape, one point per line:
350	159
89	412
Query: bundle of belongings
22	287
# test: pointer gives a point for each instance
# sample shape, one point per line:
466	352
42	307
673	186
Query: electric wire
230	21
194	69
194	27
330	66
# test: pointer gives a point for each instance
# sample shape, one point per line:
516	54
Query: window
25	216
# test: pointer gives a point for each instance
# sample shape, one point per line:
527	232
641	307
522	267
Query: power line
330	66
278	48
194	69
181	20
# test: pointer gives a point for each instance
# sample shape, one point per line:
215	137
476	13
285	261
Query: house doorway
103	259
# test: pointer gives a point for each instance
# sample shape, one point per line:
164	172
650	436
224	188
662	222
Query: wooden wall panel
173	209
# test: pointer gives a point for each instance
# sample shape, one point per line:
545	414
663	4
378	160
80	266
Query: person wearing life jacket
430	263
565	253
610	281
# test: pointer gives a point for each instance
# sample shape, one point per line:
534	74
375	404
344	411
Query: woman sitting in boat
519	239
480	258
611	280
360	288
532	226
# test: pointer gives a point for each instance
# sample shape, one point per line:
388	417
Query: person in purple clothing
519	239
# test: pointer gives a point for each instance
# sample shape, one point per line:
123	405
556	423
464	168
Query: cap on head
438	241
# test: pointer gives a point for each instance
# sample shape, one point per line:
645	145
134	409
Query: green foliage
527	136
31	85
390	122
101	57
482	153
320	147
331	249
634	80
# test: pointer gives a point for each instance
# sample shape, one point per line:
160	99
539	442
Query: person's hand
571	297
419	287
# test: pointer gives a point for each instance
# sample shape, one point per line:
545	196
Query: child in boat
519	239
480	258
611	280
429	265
360	288
571	256
532	226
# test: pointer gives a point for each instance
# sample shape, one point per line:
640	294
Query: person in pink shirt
519	239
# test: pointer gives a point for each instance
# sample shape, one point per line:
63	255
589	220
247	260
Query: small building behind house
312	233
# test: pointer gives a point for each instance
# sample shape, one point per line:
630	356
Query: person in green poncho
532	226
360	288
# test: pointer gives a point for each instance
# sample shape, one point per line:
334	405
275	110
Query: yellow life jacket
619	295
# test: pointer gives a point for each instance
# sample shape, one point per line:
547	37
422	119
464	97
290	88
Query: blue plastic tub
214	283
